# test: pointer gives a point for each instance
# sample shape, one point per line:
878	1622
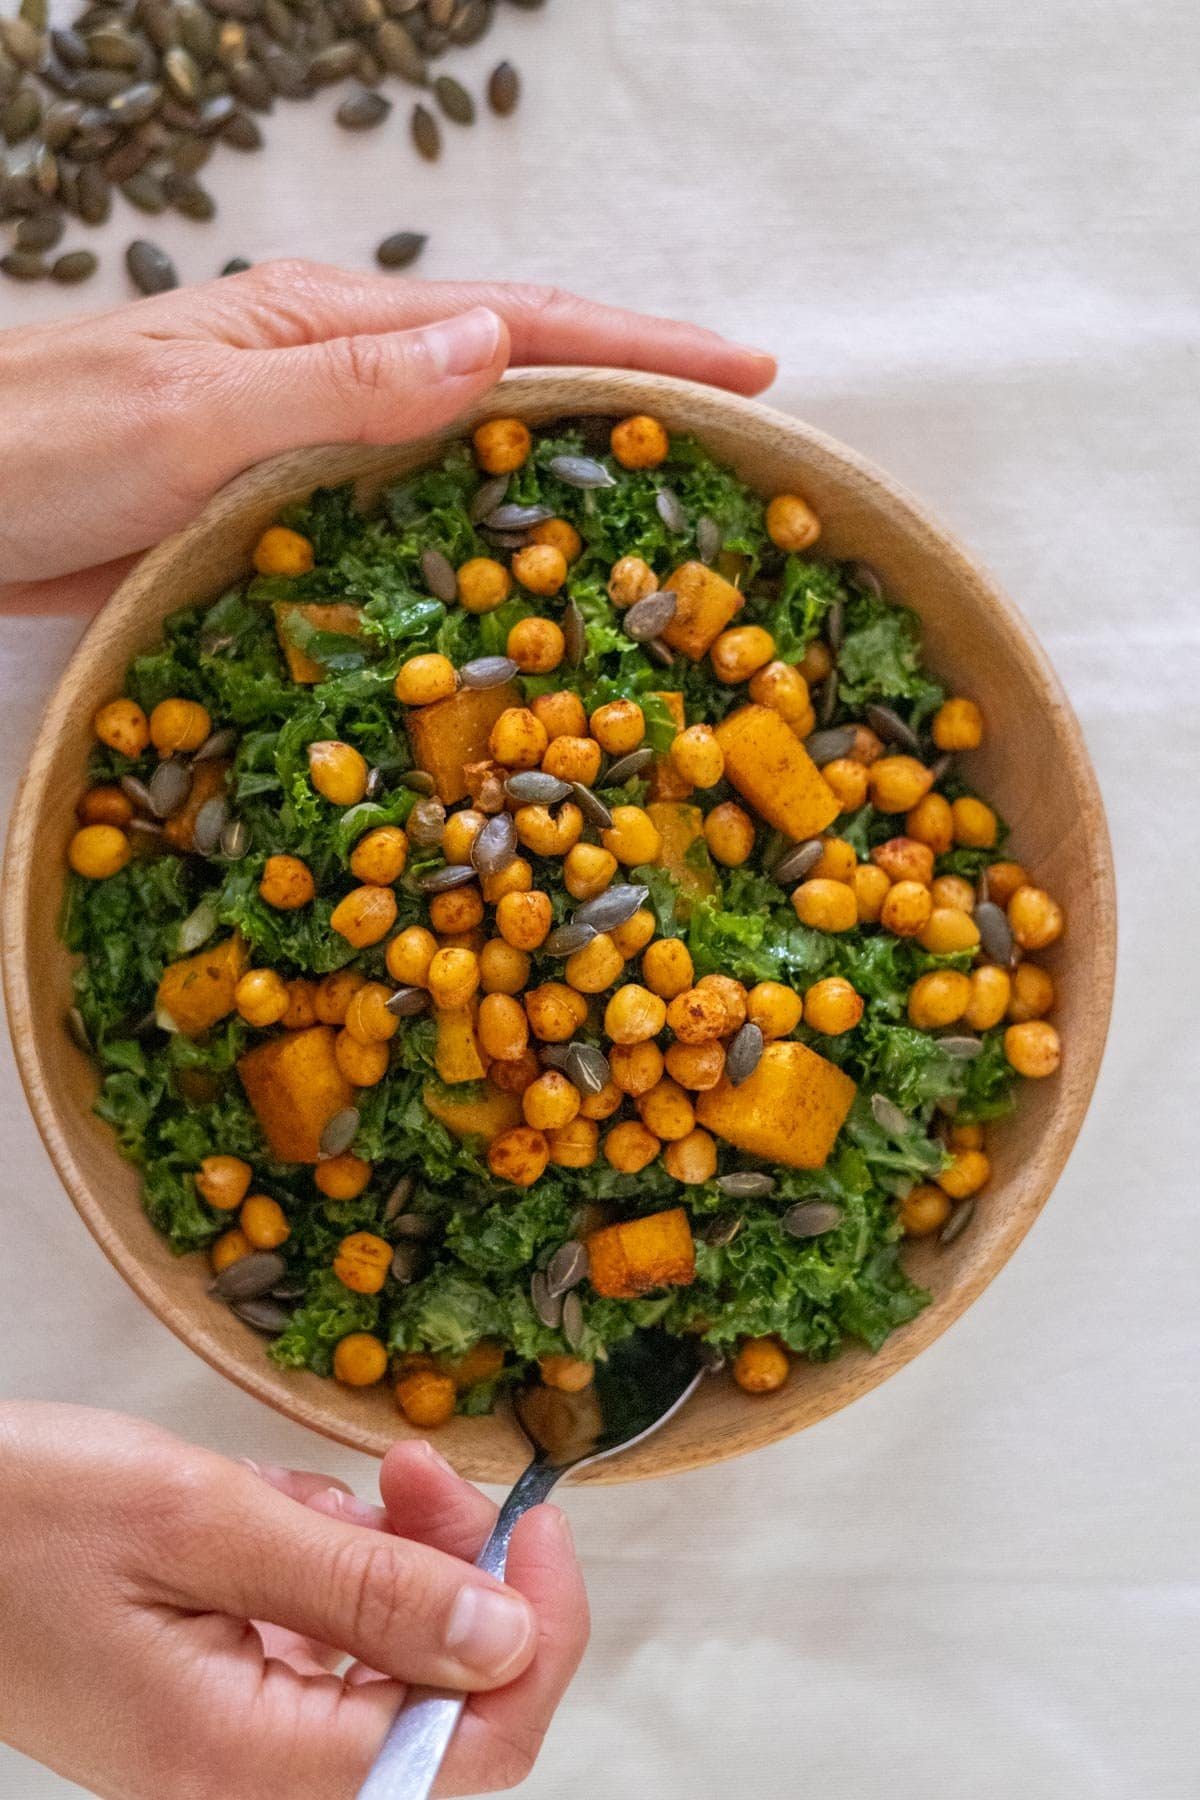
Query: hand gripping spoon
645	1381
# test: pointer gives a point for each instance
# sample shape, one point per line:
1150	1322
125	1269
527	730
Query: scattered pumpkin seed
961	1047
626	767
795	864
340	1132
265	1314
398	1198
534	787
708	538
487	497
441	881
137	791
572	1319
237	265
811	1218
400	250
407	1002
454	100
495	847
566	1268
235	840
198	927
887	724
723	1229
548	1308
427	822
554	1056
587	1067
150	268
77	1029
569	938
406	1263
418	781
889	1117
957	1223
217	744
438	572
513	517
209	825
254	1275
488	671
827	746
835	627
169	787
660	653
503	89
746	1184
828	698
615	906
864	576
744	1053
574	633
426	133
580	471
24	265
670	509
995	932
650	617
592	807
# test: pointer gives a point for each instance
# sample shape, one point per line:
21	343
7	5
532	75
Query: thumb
414	1613
370	388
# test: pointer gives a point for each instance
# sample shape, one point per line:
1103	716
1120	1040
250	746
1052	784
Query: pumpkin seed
145	191
514	517
939	770
169	787
265	1315
835	626
572	1319
957	1223
397	51
415	1227
41	232
650	617
708	538
503	89
198	927
961	1048
711	1358
242	133
533	787
744	1053
995	933
426	133
374	785
417	781
77	1029
407	1002
670	509
406	1263
399	251
21	116
441	881
580	471
137	104
887	724
591	806
427	822
746	1184
472	20
828	698
864	576
796	863
587	1067
137	791
235	840
127	160
399	1197
211	821
548	1308
504	540
454	100
554	1056
286	72
340	1132
487	498
216	745
574	634
487	672
615	906
496	845
111	47
438	572
147	827
827	746
569	938
254	1275
93	196
626	767
22	41
289	1290
888	1116
723	1230
252	87
59	122
35	13
70	46
237	265
188	197
661	653
150	268
811	1218
566	1268
334	63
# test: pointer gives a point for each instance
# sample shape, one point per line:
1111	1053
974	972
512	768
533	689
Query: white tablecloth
971	233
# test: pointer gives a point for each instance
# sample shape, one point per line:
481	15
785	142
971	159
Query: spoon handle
419	1737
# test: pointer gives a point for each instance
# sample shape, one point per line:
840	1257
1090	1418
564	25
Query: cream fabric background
971	233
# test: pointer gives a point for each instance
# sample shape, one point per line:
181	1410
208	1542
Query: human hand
168	1619
116	428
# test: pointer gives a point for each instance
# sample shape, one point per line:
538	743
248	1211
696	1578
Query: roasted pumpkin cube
705	603
451	733
640	1255
680	826
487	1116
769	766
788	1111
295	1086
208	780
339	616
666	783
197	992
456	1055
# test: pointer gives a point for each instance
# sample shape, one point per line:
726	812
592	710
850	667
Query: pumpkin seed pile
134	97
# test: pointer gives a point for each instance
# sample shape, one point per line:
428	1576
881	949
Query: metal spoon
645	1381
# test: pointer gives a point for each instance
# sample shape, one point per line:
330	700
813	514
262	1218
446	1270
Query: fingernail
348	1507
426	1449
464	342
564	1526
254	1468
489	1630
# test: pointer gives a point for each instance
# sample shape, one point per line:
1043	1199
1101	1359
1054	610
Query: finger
84	592
398	1606
303	1654
297	1484
427	1501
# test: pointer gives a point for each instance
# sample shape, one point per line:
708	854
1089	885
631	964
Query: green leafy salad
546	904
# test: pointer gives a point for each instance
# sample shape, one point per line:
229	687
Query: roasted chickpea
524	920
965	1137
869	886
426	678
261	997
774	1008
517	878
179	725
640	442
965	1175
666	1111
826	905
904	859
338	772
515	1077
732	996
482	1362
456	912
618	727
837	861
363	1065
483	584
502	969
104	805
229	1248
576	1145
549	833
1033	993
632	937
280	551
635	1068
364	916
573	759
740	652
569	1374
975	824
359	1360
520	1155
691	1159
630	1146
223	1181
363	1262
761	1366
931	822
991	989
595	967
503	1028
906	909
453	978
958	725
409	954
123	726
518	738
98	851
540	569
501	445
924	1210
952	890
729	834
816	663
1033	1048
791	523
378	859
550	1101
537	645
343	1177
367	1017
667	967
1003	880
782	687
832	1006
849	781
1036	919
898	782
462	828
939	998
634	1014
264	1222
697	1015
633	837
630	579
561	714
473	940
696	1067
426	1398
562	534
287	883
553	1011
334	993
697	757
947	931
602	1105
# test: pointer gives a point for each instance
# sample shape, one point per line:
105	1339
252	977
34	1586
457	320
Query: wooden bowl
1034	765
